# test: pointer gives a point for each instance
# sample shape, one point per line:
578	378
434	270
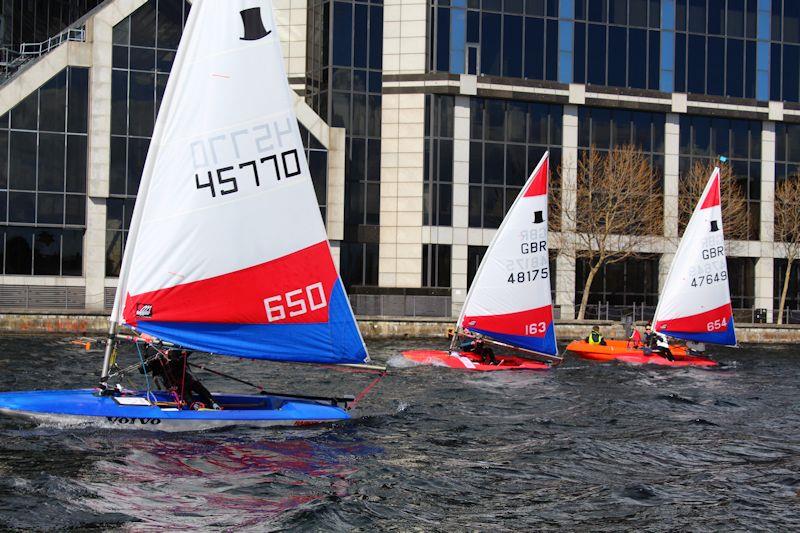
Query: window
507	139
741	277
438	164
604	129
785	51
474	257
715	47
35	22
359	264
344	82
623	283
514	38
787	153
436	265
617	43
793	293
43	178
144	49
705	139
317	156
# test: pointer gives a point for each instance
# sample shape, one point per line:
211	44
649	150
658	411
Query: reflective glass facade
631	54
623	283
787	150
705	139
144	50
438	170
436	264
34	21
604	129
785	51
344	87
513	38
715	47
741	274
793	292
617	43
507	138
43	147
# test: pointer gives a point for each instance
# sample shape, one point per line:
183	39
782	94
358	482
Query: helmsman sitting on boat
170	368
477	346
655	342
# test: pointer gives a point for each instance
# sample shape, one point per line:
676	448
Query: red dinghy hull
470	361
616	350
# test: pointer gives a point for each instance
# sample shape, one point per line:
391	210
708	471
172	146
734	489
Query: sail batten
228	252
695	302
510	299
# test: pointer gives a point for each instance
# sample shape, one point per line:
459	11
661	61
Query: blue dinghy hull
87	408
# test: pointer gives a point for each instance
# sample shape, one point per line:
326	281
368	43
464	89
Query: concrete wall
371	327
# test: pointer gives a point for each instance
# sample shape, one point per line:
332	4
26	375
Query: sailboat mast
141	198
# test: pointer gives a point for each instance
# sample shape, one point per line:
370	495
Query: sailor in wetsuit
655	342
170	369
478	347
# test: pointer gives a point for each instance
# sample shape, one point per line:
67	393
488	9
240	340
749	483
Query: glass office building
421	122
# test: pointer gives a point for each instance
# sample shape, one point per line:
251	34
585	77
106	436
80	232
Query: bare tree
787	229
618	209
734	206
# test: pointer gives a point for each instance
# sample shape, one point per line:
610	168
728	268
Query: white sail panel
509	299
228	251
695	302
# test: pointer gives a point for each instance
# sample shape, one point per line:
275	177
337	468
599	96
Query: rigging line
183	377
144	369
269	393
366	390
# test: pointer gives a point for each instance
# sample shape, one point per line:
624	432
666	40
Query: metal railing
640	312
12	60
42	297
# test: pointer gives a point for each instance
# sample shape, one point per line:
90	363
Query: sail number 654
717	325
295	303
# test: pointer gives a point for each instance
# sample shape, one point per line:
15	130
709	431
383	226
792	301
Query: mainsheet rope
144	370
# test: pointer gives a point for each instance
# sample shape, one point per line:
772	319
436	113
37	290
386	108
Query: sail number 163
295	303
537	328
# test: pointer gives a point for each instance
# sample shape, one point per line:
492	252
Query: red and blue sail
695	303
510	299
227	251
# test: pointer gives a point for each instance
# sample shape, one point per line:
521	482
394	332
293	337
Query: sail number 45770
295	303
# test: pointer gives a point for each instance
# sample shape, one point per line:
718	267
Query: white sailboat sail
227	251
509	299
695	303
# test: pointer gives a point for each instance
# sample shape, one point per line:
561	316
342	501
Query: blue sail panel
336	341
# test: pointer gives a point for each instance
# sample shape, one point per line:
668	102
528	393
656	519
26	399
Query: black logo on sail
538	217
253	25
714	225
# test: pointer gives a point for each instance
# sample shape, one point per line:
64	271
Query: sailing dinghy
695	303
509	303
227	251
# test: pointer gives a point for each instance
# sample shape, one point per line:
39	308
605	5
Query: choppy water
587	446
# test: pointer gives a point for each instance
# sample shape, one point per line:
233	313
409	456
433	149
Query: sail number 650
297	302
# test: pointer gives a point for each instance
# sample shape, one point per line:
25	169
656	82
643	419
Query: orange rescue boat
619	350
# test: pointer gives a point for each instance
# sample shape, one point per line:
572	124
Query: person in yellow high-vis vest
595	337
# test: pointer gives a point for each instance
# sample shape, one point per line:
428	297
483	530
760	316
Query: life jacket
636	337
595	338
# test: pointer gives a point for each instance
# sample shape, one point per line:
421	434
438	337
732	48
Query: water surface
586	446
